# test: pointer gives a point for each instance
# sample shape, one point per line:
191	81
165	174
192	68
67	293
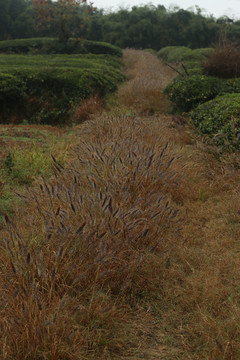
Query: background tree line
146	26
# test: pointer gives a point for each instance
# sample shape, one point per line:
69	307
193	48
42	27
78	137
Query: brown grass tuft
98	235
86	109
224	61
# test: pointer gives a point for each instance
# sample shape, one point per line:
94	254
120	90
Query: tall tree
60	15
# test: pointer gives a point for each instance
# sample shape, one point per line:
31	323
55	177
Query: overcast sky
217	8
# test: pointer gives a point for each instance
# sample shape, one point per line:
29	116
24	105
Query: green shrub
95	47
11	88
190	91
23	46
220	118
43	89
193	67
12	95
230	86
201	54
52	46
176	54
151	51
186	93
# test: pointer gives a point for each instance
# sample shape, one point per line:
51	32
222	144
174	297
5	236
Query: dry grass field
128	247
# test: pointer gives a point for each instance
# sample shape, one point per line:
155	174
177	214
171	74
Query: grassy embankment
133	246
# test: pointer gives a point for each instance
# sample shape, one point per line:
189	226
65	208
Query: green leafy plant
219	118
44	89
9	163
53	46
186	93
176	54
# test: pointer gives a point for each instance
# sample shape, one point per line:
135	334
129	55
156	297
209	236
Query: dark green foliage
178	54
11	88
23	46
156	27
186	93
12	94
52	46
8	163
191	59
95	47
142	27
151	51
43	89
174	54
230	86
220	118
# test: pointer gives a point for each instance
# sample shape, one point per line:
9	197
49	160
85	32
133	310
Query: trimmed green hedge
23	46
52	46
220	118
95	47
176	54
44	88
188	92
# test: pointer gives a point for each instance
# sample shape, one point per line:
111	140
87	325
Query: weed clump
104	221
223	62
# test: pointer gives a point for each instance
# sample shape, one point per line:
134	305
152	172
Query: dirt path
197	313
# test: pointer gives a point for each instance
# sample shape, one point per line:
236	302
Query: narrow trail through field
197	313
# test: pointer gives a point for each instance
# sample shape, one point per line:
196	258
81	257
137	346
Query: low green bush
220	118
12	95
52	46
23	46
11	88
44	88
176	54
201	54
95	47
193	67
151	51
188	92
230	86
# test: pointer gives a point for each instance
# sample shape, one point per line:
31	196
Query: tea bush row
52	46
207	91
176	54
45	92
220	118
188	92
